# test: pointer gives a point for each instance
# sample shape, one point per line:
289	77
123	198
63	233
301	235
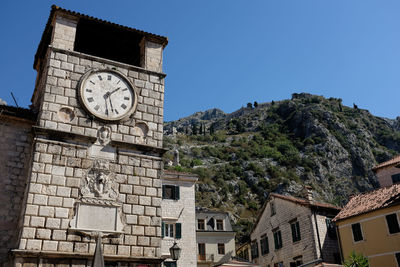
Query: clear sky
227	53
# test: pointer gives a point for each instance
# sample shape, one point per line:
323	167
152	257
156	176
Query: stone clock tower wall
82	165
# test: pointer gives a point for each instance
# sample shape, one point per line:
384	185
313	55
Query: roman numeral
123	106
109	77
89	90
100	78
116	111
92	82
126	89
90	99
126	98
118	81
97	107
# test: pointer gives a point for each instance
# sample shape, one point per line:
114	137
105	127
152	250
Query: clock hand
114	91
112	109
105	100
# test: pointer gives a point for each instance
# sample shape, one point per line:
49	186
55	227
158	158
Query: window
357	233
169	263
98	39
278	239
295	231
202	251
398	258
211	223
221	248
392	223
297	261
330	226
279	264
264	245
170	192
396	178
172	230
220	225
254	249
200	224
273	210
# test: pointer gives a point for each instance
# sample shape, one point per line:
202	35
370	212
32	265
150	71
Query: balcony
205	257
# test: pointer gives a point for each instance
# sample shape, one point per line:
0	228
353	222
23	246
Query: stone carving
66	114
104	135
99	182
140	131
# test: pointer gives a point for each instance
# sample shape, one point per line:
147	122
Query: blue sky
227	53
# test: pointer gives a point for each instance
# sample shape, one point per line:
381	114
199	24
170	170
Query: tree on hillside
249	105
255	104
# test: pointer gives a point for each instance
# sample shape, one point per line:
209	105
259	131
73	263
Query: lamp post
175	251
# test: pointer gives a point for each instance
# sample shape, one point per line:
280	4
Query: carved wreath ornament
99	182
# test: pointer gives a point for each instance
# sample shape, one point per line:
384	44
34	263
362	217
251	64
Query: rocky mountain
279	147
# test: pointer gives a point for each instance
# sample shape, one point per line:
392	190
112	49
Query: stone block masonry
54	190
65	69
15	154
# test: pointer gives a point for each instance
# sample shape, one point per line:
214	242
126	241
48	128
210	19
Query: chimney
308	193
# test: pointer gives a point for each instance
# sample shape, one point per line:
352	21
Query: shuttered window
278	239
295	226
171	230
264	245
170	192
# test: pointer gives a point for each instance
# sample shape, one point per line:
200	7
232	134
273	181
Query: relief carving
99	182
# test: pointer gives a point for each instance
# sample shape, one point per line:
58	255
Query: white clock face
107	95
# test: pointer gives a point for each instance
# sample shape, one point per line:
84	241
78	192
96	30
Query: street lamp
175	251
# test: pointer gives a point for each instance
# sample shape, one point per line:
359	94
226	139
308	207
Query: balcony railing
205	257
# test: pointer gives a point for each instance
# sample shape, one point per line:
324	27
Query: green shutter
178	227
298	231
162	229
292	225
177	192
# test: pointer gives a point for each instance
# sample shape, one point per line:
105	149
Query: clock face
107	95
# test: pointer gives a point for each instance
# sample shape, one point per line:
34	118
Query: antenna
15	101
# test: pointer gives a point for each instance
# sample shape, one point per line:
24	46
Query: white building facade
215	237
178	217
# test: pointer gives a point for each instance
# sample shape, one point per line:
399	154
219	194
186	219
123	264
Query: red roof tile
393	161
367	202
305	202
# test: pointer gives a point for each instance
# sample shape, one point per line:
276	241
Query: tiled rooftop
393	161
367	202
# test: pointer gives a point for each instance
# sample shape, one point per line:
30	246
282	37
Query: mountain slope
280	147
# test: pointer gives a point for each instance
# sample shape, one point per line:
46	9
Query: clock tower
97	146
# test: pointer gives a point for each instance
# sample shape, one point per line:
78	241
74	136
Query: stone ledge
69	255
107	61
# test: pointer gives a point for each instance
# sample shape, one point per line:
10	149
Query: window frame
361	232
397	257
395	177
220	222
295	229
388	226
254	249
264	245
203	223
273	208
166	227
222	247
175	192
277	239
